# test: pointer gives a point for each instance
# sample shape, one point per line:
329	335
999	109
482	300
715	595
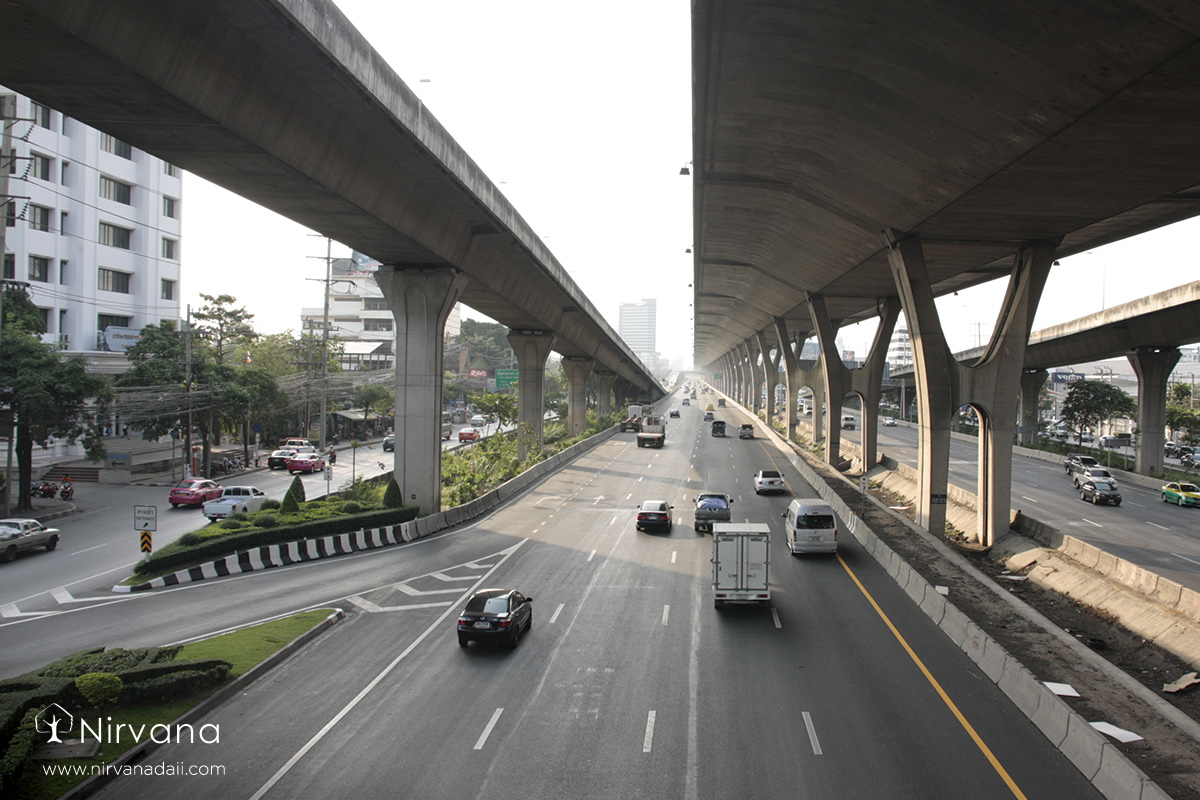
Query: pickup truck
234	499
24	534
711	507
653	432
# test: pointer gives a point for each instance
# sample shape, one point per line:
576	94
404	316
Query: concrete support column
1153	366
814	379
937	379
420	301
837	378
867	382
577	370
747	356
531	349
791	368
621	388
992	387
770	373
604	388
1032	382
758	371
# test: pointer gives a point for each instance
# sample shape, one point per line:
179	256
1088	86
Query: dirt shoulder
1168	755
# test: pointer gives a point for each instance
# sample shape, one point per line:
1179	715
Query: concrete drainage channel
1108	769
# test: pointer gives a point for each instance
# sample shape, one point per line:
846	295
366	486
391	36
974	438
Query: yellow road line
983	748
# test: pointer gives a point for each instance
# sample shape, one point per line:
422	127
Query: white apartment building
900	349
359	316
92	225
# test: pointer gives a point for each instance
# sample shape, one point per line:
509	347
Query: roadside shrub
266	521
13	758
99	688
271	505
175	684
297	490
239	515
392	496
189	539
99	660
333	498
289	504
352	507
232	524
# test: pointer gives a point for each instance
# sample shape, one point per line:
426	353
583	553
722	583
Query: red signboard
477	373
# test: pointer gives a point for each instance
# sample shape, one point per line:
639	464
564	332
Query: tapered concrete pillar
1032	382
621	388
937	379
867	381
577	370
770	373
837	382
531	348
420	301
748	394
604	388
791	367
758	373
1153	366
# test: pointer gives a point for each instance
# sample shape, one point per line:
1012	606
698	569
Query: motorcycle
43	489
66	491
332	456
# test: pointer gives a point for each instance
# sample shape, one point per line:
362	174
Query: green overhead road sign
506	378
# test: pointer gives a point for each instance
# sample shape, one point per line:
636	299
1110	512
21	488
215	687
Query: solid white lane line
649	740
666	614
557	611
812	734
1089	522
1160	527
1185	558
591	554
673	554
775	616
488	730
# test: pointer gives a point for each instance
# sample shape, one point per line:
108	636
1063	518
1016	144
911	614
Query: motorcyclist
332	455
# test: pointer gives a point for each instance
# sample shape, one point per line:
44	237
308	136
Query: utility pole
325	340
189	464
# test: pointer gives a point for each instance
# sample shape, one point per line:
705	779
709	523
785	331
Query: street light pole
325	339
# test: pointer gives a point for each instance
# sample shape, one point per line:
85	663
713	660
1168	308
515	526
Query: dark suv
389	442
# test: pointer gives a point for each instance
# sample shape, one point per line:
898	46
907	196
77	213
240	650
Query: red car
305	462
469	435
194	492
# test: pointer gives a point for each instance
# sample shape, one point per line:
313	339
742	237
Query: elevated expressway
853	159
286	103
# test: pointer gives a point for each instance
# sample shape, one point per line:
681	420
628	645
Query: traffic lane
859	688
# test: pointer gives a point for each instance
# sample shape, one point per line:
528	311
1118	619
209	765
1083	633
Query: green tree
1089	403
225	328
501	406
50	395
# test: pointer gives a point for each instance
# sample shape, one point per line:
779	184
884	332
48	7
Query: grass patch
243	649
250	646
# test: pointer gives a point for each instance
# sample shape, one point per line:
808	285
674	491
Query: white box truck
741	563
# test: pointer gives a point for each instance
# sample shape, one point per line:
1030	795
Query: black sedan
654	514
1099	493
279	459
495	615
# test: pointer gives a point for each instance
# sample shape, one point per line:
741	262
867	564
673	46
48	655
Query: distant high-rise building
637	327
92	226
900	350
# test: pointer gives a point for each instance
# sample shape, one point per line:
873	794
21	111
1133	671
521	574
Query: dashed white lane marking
488	730
666	614
89	549
629	495
591	555
649	740
557	611
775	616
812	734
673	554
1160	527
1089	522
1030	499
1185	558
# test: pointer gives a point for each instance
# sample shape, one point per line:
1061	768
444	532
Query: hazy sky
582	115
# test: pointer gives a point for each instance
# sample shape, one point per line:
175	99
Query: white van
811	527
848	422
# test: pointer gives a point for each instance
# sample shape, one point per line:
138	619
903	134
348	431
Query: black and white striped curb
278	555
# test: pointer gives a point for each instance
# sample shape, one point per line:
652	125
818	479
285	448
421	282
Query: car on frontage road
193	492
1183	494
279	459
19	535
495	615
305	462
469	435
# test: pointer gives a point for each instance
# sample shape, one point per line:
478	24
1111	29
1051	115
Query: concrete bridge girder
532	348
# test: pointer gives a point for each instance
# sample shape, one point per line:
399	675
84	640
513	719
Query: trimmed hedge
13	757
180	555
99	688
175	684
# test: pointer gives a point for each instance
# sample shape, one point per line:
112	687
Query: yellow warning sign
146	546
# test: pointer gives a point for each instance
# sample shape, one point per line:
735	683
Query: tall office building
900	349
92	225
637	327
